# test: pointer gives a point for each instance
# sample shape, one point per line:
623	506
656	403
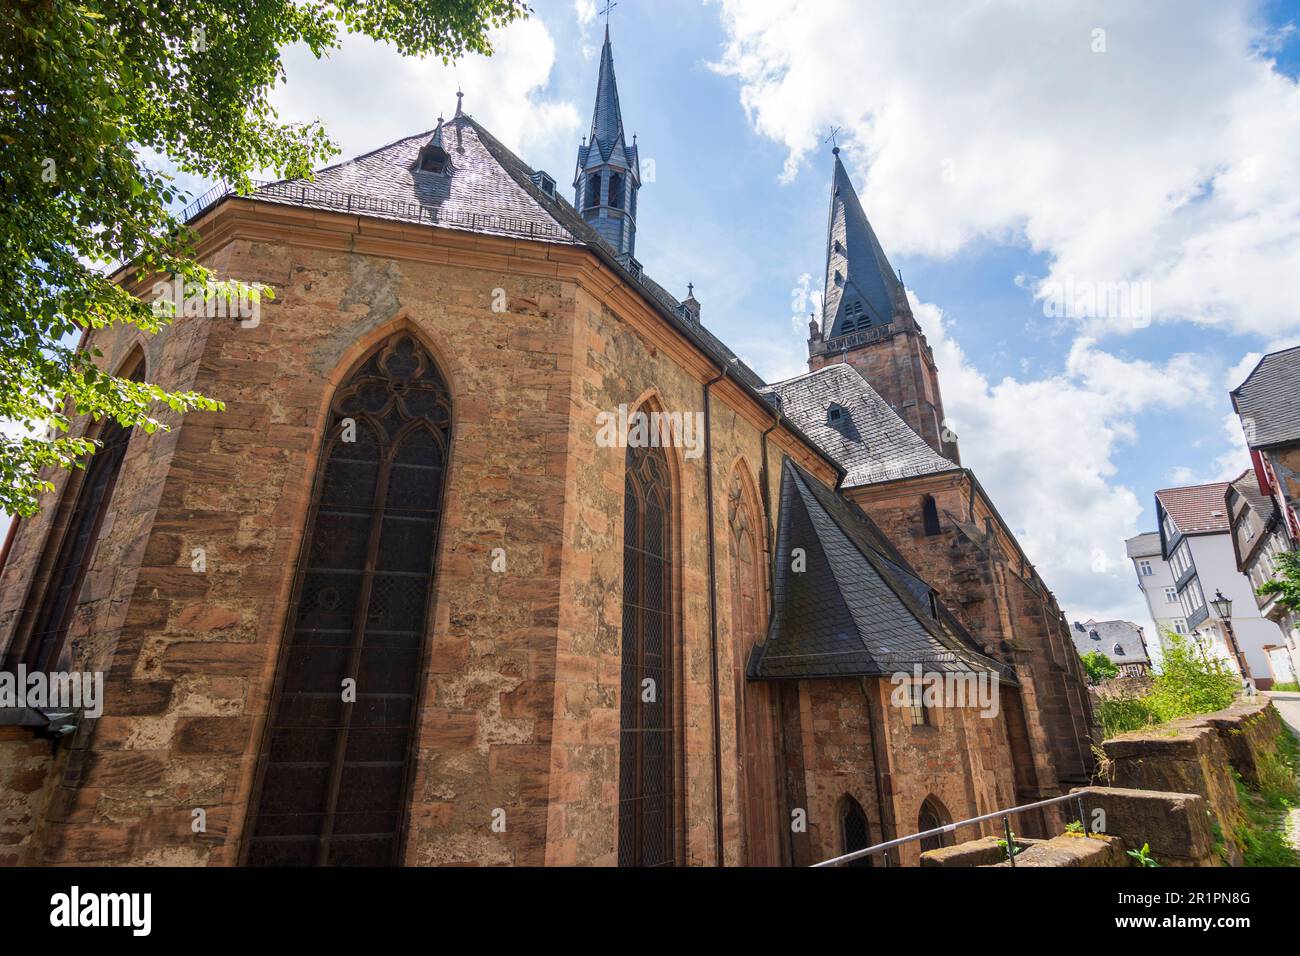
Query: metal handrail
1004	815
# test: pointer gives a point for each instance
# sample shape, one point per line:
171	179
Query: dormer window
1118	651
433	159
544	182
836	414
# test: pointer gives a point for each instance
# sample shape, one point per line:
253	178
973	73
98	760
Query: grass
1186	684
1262	834
1286	685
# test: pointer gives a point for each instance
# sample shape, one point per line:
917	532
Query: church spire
862	289
866	321
608	173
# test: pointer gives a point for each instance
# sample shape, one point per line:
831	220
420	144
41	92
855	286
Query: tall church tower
867	322
608	173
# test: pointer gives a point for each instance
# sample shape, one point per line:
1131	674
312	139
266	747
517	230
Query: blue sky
996	146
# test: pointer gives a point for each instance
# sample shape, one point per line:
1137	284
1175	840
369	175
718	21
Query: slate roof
1247	485
869	440
489	190
1144	545
479	194
1197	509
862	288
1268	401
857	609
1104	636
607	115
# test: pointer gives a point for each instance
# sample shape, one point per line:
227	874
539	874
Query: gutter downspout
713	618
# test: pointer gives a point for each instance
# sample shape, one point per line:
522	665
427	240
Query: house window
1180	626
85	503
930	516
332	785
1144	568
853	823
646	738
1171	595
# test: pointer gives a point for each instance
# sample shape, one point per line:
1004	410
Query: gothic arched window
853	824
645	777
930	514
332	786
616	190
931	817
76	529
593	191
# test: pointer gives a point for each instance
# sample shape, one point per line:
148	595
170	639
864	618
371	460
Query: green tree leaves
92	93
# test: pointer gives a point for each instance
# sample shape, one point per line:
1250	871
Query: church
403	603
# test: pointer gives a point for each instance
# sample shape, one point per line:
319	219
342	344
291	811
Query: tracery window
646	737
333	782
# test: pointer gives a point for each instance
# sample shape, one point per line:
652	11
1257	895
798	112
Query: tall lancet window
71	548
645	779
332	787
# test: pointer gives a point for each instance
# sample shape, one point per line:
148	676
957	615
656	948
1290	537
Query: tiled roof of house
856	608
1121	641
1268	401
868	438
1197	509
1247	485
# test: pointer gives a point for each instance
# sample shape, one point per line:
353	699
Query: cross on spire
609	5
831	139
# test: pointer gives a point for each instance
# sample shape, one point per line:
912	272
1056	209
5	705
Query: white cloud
1170	158
1044	450
368	96
585	11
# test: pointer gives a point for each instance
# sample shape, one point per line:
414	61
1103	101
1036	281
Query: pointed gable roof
856	609
1268	401
860	282
607	117
869	439
1197	509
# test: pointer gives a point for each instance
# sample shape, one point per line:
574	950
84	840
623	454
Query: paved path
1288	705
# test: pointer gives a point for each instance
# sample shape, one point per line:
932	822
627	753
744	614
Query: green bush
1098	667
1186	682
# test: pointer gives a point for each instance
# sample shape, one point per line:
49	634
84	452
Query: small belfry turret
608	173
867	322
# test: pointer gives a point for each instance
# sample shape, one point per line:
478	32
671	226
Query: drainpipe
886	814
713	618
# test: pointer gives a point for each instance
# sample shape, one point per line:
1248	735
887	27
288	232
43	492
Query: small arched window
332	784
646	735
1119	650
593	191
932	816
853	827
616	190
930	515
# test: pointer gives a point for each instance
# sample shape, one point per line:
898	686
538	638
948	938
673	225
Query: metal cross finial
835	147
609	5
690	289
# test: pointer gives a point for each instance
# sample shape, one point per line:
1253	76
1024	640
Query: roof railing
297	193
1004	815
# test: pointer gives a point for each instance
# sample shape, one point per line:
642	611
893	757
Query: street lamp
1222	605
1223	608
